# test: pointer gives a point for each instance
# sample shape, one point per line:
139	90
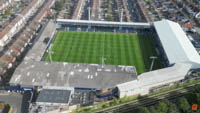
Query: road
13	99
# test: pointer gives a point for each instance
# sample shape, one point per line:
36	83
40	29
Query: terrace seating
104	29
123	30
62	28
117	30
130	30
72	28
91	29
84	28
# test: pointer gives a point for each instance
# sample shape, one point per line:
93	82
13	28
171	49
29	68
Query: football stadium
104	48
125	58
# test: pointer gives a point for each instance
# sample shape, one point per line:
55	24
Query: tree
6	108
115	101
194	96
153	110
183	104
162	106
172	108
21	3
8	12
142	110
110	18
58	6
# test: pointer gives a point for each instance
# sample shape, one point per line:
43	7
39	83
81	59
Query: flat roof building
32	73
53	97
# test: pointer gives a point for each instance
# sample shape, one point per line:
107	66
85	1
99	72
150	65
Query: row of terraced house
4	4
17	47
12	28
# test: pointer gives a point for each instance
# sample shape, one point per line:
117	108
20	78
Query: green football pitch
114	48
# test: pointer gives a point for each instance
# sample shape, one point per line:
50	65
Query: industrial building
55	97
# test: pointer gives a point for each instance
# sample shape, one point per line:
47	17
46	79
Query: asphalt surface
14	99
18	101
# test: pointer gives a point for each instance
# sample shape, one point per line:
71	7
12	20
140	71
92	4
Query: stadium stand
180	55
177	46
146	81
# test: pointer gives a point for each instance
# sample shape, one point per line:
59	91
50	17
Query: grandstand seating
104	29
92	29
73	28
123	30
130	30
84	28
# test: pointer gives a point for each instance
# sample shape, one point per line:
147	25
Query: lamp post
89	13
50	53
122	12
152	63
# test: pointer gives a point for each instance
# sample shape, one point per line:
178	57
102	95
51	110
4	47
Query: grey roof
31	73
176	44
37	52
54	96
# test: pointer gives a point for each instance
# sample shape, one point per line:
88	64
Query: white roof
155	78
176	44
103	22
179	70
